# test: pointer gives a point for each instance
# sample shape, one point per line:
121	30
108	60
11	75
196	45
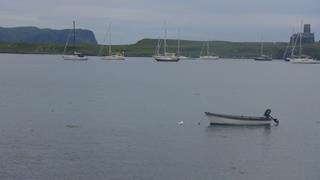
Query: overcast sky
232	20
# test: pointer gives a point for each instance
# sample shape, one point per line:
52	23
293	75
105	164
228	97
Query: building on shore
307	35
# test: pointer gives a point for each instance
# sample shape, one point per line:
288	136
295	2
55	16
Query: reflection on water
234	128
238	130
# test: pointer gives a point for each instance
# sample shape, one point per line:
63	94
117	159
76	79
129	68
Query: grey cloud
232	20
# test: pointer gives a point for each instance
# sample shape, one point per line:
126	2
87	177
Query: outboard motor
267	114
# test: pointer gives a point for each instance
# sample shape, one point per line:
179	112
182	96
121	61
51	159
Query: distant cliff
35	35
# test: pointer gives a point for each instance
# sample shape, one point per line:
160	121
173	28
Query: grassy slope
146	48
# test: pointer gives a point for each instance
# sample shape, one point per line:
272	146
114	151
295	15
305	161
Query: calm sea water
118	120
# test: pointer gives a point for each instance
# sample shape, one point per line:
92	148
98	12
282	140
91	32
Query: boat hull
304	61
237	120
183	57
167	58
113	58
75	57
262	59
209	57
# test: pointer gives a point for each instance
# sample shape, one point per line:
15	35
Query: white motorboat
76	54
240	120
207	55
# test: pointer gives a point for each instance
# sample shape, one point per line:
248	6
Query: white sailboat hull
75	57
113	57
263	58
167	58
209	57
184	57
303	61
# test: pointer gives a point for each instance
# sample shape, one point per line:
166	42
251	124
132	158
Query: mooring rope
201	119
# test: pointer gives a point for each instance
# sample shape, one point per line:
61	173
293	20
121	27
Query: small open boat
241	120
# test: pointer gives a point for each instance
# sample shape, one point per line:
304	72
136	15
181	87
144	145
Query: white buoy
180	123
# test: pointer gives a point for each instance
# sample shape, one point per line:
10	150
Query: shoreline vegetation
145	48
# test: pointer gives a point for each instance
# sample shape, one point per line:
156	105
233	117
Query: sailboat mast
202	48
178	53
300	49
296	38
285	54
261	49
74	35
156	51
300	43
165	41
287	48
208	48
110	52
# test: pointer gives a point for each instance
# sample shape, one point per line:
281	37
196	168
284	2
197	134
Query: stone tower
307	36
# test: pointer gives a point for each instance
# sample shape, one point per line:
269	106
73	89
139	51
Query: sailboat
166	56
208	55
179	51
179	48
76	54
301	59
112	56
286	56
262	56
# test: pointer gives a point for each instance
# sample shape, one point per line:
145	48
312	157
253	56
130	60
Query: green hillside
146	48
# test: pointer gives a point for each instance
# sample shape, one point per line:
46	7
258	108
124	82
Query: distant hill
146	48
34	35
224	49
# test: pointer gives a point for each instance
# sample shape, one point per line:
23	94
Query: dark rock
35	35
